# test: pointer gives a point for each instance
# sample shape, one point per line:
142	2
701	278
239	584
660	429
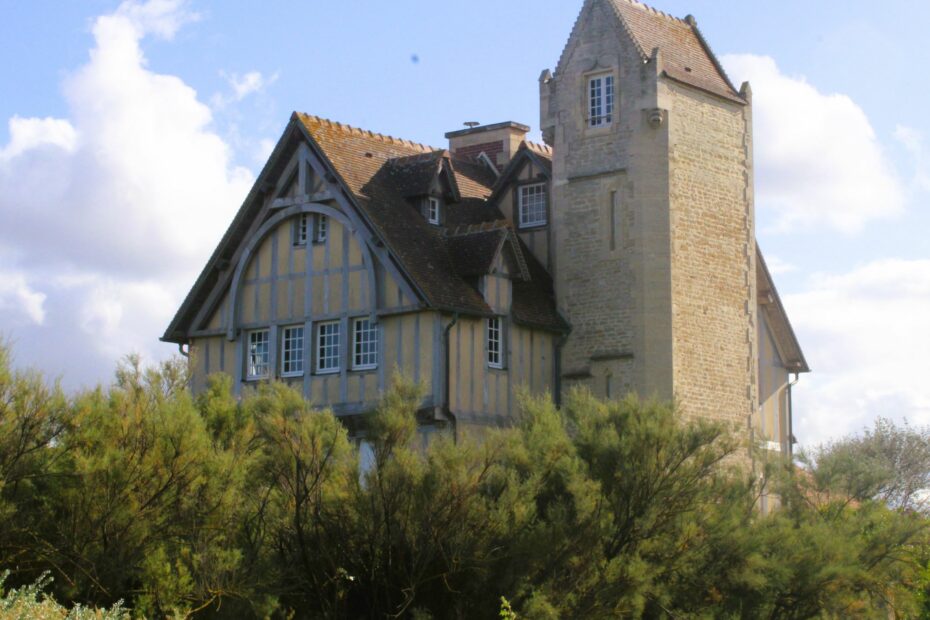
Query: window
257	356
495	359
600	100
327	347
532	205
364	344
322	228
292	352
301	229
432	213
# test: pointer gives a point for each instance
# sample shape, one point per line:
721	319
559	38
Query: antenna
471	124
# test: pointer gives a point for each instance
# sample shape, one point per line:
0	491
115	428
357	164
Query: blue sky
130	132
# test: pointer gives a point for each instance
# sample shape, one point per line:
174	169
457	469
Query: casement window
258	362
327	347
301	229
292	351
364	344
600	100
322	229
432	210
495	341
531	201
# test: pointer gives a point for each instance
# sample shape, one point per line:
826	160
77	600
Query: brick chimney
499	142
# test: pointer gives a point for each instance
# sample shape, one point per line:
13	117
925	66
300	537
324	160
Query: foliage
31	602
888	463
259	507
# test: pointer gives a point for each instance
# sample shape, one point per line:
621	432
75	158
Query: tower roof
686	56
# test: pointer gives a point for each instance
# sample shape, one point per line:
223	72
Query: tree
889	463
259	507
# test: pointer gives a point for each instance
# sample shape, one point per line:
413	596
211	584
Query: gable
685	55
294	175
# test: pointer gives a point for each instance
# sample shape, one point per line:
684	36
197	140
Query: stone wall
657	292
713	252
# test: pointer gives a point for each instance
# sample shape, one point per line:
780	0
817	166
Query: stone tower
652	202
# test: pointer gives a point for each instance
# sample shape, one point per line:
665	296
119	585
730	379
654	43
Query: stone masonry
653	227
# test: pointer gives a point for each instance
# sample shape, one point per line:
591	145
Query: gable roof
770	303
686	56
538	154
379	173
424	250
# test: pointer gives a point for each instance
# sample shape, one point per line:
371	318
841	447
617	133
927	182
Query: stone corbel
656	116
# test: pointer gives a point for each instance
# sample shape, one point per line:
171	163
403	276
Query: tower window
432	210
532	205
600	100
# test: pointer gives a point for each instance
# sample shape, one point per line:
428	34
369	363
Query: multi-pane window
600	100
301	229
364	344
532	205
292	351
495	357
322	228
327	347
433	210
257	356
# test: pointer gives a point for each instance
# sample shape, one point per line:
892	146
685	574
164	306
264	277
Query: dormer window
432	210
600	100
532	205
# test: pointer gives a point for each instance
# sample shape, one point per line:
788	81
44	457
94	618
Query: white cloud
818	162
913	142
19	301
118	206
33	133
779	266
162	18
865	335
263	152
242	86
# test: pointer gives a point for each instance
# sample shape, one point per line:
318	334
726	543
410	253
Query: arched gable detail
232	325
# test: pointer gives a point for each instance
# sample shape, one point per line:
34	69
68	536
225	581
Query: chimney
499	142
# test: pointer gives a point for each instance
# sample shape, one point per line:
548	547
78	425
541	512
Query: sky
130	133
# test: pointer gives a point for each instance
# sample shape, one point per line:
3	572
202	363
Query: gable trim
232	326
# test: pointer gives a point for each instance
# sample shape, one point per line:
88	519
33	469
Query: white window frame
328	352
322	229
292	335
369	336
301	229
251	365
526	208
432	210
495	342
601	97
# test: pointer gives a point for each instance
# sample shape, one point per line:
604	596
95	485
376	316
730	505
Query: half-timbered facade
620	256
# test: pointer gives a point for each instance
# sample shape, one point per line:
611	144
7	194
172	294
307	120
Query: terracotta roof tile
686	56
381	171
